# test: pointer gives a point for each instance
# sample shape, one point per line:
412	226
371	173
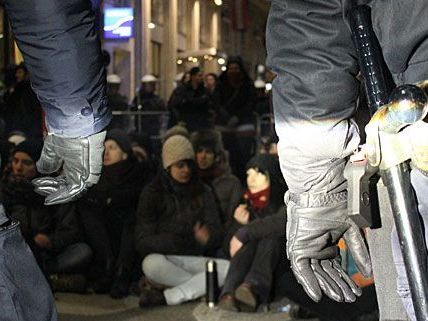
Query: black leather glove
312	236
81	159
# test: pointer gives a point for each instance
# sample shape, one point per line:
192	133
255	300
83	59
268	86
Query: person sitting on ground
178	222
52	232
249	280
108	215
286	285
214	170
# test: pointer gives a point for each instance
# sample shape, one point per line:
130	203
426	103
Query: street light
218	2
151	25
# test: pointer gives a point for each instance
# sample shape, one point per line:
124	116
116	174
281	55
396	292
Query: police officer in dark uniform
62	52
314	96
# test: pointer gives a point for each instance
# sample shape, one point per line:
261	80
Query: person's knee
152	264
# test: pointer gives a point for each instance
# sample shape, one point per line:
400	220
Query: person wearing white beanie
175	149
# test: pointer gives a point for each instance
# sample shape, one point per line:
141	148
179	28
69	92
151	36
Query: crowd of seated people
155	218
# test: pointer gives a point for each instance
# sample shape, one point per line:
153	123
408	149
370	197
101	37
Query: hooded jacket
270	164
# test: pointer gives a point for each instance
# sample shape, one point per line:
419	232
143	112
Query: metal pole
410	234
397	178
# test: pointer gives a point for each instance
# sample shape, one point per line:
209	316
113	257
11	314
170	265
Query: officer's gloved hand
312	237
81	159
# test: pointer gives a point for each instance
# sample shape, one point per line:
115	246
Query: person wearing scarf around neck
108	216
249	280
214	170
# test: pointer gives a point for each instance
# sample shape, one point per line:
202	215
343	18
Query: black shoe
246	298
101	285
227	302
151	298
74	283
119	289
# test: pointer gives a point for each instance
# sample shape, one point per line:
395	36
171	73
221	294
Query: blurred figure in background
235	95
117	102
191	104
146	98
210	81
262	104
22	108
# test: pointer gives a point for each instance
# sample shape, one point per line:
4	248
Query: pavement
91	307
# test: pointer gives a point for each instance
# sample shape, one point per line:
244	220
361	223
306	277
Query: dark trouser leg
126	263
326	309
239	266
98	240
74	259
261	272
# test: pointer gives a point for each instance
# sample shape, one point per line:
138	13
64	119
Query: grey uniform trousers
315	91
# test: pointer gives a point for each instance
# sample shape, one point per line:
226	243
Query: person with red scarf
248	282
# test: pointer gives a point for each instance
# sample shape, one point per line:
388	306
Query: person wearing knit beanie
208	138
122	139
175	149
24	158
32	147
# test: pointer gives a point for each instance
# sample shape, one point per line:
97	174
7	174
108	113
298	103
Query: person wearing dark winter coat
190	103
235	98
117	102
214	170
22	110
146	98
108	215
235	95
250	276
177	222
53	232
272	227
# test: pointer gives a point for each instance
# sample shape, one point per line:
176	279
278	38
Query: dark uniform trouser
315	91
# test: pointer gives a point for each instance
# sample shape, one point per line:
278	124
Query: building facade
171	36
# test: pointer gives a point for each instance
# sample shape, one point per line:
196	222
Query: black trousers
255	264
286	285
